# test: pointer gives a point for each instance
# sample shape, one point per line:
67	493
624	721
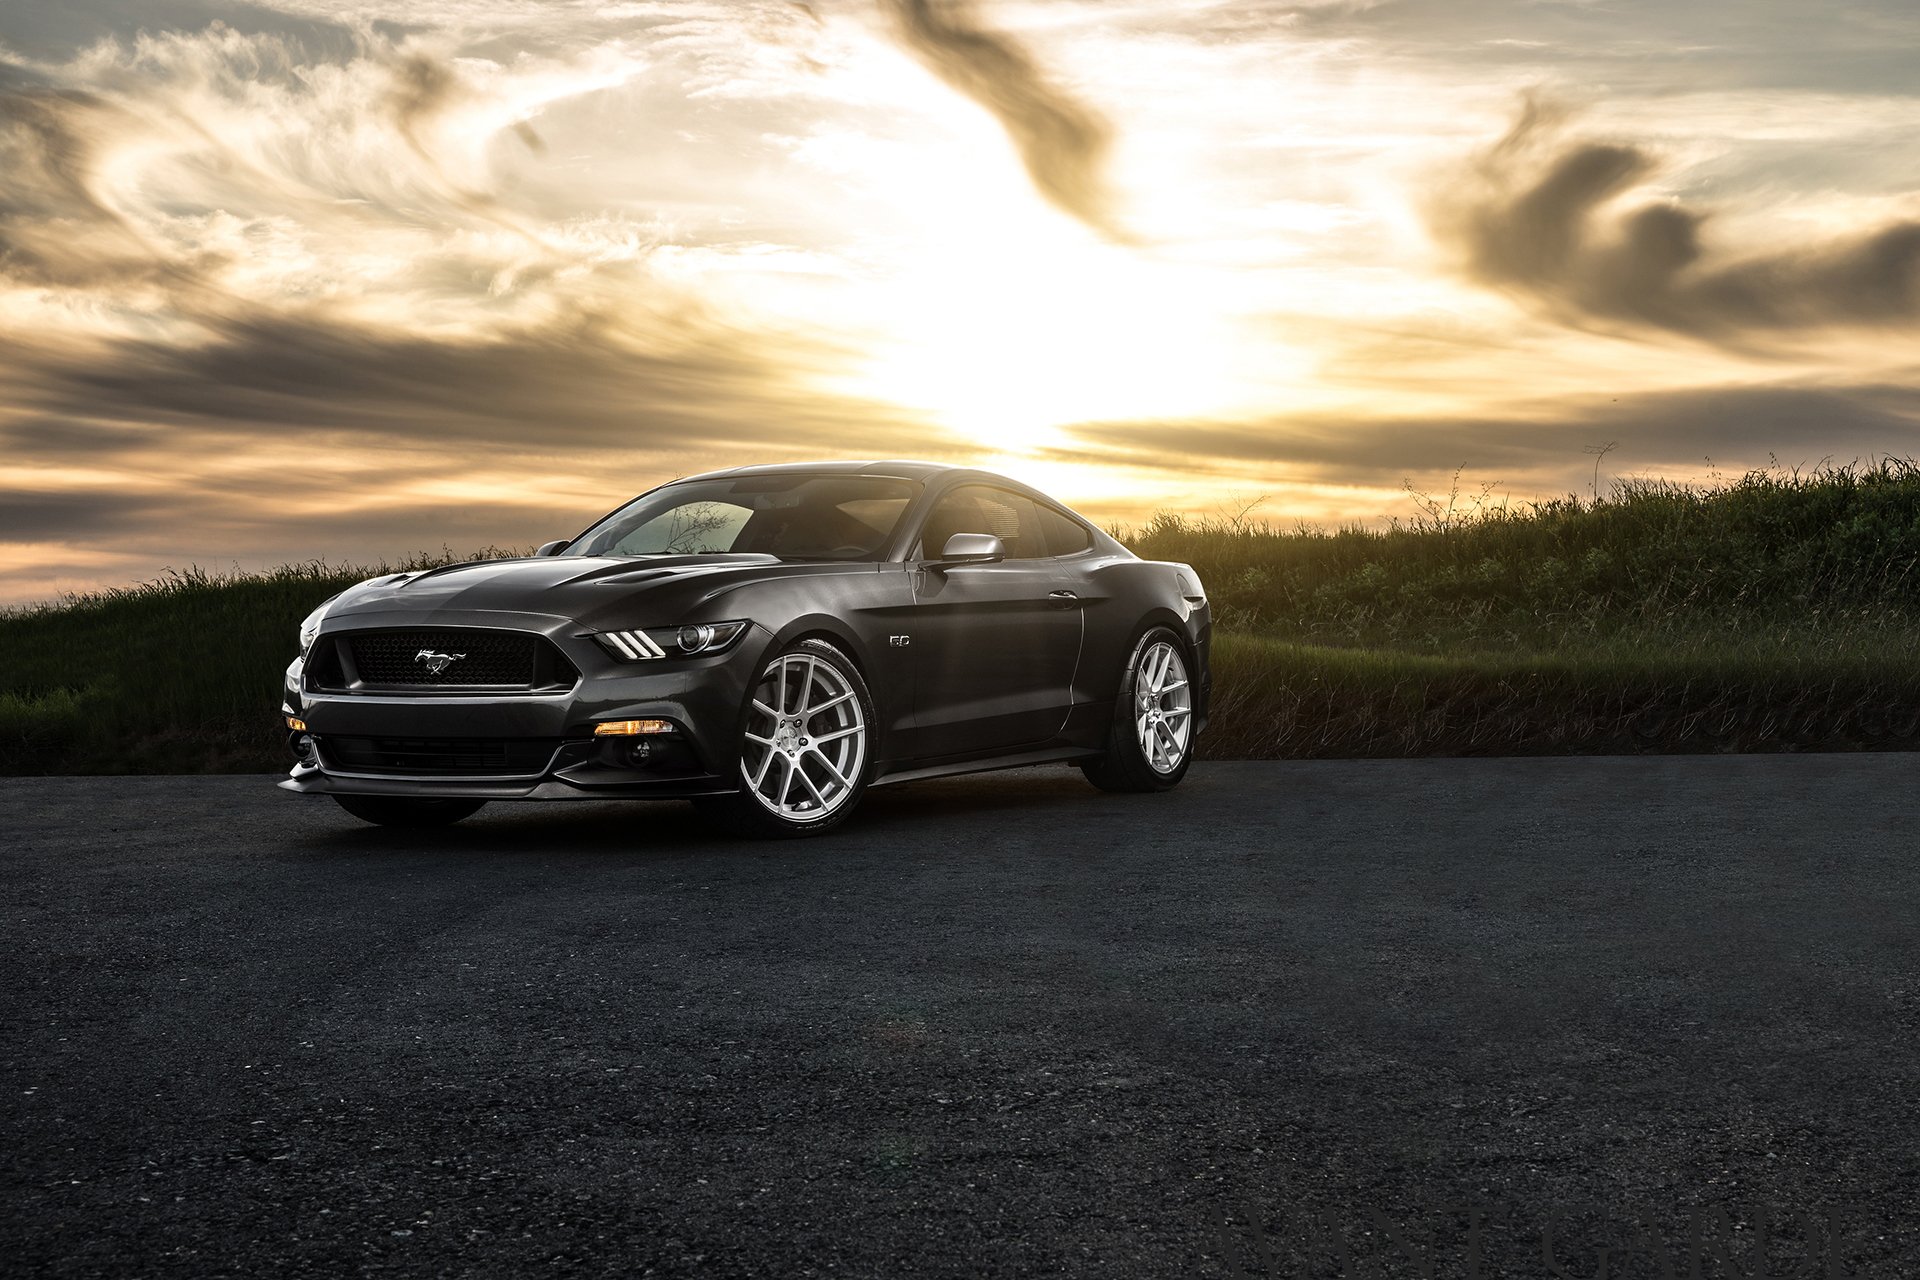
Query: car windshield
795	517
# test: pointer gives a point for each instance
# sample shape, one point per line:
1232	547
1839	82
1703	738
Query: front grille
441	658
452	756
471	657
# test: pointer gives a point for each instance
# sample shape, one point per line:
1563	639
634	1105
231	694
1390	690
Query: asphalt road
995	1026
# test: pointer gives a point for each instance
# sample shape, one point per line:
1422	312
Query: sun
1006	345
1001	318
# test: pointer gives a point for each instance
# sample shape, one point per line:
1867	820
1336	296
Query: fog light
304	749
296	724
630	728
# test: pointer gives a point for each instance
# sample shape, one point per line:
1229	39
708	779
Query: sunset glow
345	279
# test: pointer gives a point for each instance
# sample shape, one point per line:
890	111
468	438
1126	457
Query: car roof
895	468
900	468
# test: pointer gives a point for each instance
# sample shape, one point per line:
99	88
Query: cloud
199	157
228	232
324	529
585	381
54	228
1540	446
255	294
32	514
277	438
1062	141
425	91
1842	46
1552	220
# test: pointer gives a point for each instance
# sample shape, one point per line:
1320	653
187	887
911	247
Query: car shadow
908	804
665	828
587	828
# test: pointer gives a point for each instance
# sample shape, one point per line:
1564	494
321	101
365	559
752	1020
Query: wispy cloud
1553	218
582	381
226	257
1537	445
1062	141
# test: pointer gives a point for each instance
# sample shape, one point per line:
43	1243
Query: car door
994	644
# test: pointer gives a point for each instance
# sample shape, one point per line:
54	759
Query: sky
353	279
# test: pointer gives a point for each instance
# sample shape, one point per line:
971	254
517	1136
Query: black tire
747	812
1125	766
408	811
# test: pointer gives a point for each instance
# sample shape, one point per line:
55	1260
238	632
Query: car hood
589	589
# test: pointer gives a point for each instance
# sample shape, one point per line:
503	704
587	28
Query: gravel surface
1003	1025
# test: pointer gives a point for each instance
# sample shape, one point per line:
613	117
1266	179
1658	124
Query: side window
1065	535
978	508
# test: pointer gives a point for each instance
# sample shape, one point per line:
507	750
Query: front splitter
311	780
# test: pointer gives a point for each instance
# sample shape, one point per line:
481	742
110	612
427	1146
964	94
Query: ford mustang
768	642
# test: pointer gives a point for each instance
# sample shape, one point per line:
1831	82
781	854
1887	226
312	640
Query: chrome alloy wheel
1163	707
806	739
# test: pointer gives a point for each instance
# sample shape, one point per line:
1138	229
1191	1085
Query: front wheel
408	811
1151	742
805	753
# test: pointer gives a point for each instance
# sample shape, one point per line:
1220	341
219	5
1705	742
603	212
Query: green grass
181	675
1777	611
1808	558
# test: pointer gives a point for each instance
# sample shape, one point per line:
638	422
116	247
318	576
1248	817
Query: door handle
1064	597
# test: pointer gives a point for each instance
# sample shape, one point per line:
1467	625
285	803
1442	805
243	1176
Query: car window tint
695	528
1065	535
811	533
878	514
978	508
802	517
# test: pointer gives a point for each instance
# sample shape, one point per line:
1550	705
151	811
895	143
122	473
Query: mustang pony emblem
437	661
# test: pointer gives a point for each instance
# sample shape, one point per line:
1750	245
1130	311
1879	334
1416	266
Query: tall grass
1826	557
181	674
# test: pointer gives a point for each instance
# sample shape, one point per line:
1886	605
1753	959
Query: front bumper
555	754
313	780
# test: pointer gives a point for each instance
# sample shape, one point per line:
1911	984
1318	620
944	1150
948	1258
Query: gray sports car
768	642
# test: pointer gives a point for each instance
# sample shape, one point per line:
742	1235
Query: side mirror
555	547
973	548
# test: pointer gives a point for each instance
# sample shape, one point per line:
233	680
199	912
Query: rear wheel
1151	742
408	811
805	753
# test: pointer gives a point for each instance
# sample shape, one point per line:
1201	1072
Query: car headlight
671	642
310	628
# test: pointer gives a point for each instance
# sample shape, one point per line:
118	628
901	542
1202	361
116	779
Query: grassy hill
1780	611
1775	612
